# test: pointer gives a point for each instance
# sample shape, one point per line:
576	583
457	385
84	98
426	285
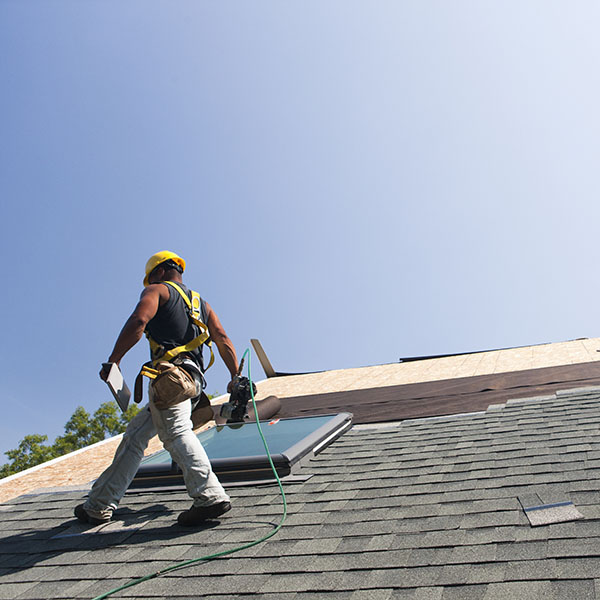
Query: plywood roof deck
434	369
76	468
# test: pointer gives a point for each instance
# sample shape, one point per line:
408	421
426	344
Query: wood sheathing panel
73	469
434	369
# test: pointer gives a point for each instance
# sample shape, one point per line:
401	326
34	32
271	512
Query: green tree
78	433
81	430
31	451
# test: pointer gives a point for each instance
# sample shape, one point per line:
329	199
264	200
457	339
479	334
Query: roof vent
262	357
546	514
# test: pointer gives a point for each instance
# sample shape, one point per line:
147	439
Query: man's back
171	326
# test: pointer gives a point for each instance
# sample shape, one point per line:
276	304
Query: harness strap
149	372
203	338
181	292
154	346
138	389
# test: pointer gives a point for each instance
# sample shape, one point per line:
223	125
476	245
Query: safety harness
158	356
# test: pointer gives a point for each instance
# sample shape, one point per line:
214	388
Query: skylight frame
251	468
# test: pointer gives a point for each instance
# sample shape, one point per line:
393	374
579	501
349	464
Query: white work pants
174	428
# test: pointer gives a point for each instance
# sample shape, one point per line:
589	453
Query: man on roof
178	324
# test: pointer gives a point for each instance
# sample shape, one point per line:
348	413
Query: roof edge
410	359
58	459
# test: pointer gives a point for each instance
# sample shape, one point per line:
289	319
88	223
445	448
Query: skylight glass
237	453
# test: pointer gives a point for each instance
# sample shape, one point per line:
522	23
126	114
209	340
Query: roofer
177	322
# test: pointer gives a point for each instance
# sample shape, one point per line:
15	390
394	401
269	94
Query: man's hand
231	384
105	370
133	330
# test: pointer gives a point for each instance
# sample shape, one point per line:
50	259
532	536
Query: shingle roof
373	393
423	509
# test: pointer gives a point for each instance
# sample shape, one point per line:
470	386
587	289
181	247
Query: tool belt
170	385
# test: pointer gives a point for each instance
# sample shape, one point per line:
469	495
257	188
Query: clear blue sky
350	182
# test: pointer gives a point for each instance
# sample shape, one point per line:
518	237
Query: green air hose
208	557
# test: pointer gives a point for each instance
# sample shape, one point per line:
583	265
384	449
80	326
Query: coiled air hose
208	557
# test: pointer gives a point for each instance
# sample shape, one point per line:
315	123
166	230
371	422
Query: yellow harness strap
149	372
195	316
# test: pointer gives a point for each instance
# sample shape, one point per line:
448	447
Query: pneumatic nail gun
237	408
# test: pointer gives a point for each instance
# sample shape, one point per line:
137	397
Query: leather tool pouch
202	412
171	386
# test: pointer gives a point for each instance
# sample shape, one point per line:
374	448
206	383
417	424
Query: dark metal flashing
544	506
433	356
263	358
266	363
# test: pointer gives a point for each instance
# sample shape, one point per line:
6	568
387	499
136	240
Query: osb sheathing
437	369
78	468
83	467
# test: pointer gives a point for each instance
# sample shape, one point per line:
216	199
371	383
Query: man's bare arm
222	341
134	327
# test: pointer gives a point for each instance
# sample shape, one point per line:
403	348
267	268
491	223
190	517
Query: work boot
198	514
83	516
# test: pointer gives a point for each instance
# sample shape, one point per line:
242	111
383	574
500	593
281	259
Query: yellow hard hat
161	257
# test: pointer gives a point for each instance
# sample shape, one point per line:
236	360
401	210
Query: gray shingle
428	593
315	547
578	568
473	554
474	573
312	596
532	570
186	583
424	510
380	594
574	590
574	547
10	561
523	590
354	543
9	591
25	575
54	589
314	582
96	588
530	550
464	592
423	557
404	577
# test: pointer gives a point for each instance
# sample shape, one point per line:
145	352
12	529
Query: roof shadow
23	550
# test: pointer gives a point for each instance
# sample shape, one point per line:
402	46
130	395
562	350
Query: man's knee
175	432
139	431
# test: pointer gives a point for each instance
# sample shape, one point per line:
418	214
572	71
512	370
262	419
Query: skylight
237	454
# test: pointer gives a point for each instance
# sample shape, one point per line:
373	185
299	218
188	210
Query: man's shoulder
152	288
157	289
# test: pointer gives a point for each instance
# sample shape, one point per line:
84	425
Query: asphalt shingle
426	510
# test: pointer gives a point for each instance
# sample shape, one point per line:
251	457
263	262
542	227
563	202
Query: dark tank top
171	326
